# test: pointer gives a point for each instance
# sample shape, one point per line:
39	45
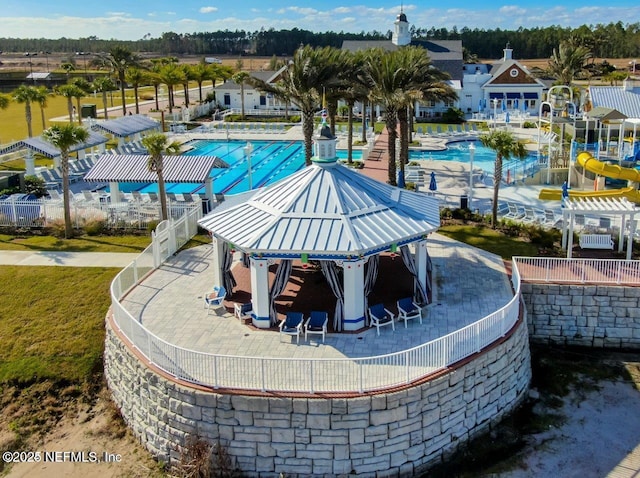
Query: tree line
613	40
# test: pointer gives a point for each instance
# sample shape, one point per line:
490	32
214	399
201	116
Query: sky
133	19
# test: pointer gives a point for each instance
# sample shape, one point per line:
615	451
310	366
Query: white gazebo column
114	191
56	161
421	262
218	261
353	295
260	293
30	163
208	193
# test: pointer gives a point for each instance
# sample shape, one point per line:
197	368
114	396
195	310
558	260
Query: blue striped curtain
282	277
370	280
228	280
330	272
419	292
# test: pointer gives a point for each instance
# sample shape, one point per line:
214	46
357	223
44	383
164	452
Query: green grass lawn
52	322
78	244
490	240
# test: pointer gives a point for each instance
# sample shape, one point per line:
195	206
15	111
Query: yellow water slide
589	163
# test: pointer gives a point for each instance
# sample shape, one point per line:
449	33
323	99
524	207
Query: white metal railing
355	375
562	270
39	213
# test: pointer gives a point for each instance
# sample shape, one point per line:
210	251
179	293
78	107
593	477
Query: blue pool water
275	160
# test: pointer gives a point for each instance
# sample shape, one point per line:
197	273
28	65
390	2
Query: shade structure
124	168
42	146
127	125
327	211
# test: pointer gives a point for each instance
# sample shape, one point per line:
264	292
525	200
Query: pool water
272	161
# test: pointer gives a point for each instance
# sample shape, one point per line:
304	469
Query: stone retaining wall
584	315
391	434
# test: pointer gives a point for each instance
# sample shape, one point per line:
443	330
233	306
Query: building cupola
401	35
508	52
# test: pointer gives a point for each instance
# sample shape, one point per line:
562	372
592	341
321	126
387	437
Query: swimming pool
272	161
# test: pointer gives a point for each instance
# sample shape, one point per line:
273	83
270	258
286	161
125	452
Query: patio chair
408	309
550	219
531	215
292	325
243	311
514	211
153	197
214	298
380	317
316	324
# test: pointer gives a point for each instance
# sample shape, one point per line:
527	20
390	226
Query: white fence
355	375
41	213
562	270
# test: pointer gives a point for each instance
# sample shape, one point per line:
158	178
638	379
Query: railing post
408	368
312	388
361	374
262	372
215	372
135	271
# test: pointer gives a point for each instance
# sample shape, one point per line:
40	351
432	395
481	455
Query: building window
263	100
227	99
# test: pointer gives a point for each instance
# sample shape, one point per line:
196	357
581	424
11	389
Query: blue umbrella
504	105
515	104
481	105
433	185
507	118
401	183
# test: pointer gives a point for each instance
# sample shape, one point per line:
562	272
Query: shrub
95	227
453	115
151	226
35	185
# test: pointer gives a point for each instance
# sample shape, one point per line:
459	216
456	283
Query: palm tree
84	88
505	145
201	72
42	94
302	83
171	75
27	95
568	61
136	78
70	92
104	84
119	59
240	78
398	79
158	144
64	137
187	71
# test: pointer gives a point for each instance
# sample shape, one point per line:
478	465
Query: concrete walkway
68	259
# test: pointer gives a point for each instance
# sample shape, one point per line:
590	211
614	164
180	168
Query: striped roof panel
133	168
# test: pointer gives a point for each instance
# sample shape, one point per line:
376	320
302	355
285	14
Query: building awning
530	95
496	96
132	168
513	95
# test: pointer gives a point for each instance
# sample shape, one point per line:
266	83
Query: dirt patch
101	446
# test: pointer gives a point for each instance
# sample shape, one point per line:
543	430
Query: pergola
45	148
608	116
133	168
601	207
327	213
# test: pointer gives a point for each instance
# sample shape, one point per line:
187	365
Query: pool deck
469	284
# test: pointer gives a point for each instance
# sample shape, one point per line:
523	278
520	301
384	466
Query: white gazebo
600	207
327	213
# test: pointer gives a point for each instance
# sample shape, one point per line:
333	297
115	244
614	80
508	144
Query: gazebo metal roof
133	168
127	125
326	210
42	146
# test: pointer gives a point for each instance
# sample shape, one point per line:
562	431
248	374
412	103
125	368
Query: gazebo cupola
325	145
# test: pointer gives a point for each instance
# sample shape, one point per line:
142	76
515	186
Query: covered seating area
575	210
332	219
130	126
116	168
